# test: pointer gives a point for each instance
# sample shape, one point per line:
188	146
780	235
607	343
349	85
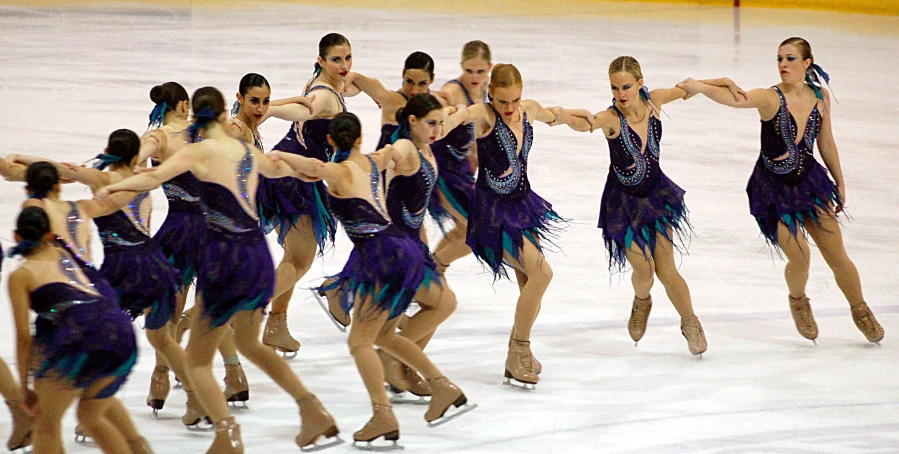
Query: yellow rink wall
513	7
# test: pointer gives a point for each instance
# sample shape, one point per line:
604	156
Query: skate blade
238	405
369	446
289	355
407	398
461	410
515	384
322	443
324	306
202	425
84	440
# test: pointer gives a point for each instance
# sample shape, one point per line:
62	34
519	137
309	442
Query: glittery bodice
118	230
73	242
457	143
387	131
182	192
51	300
408	197
224	212
360	218
633	167
501	169
779	136
315	131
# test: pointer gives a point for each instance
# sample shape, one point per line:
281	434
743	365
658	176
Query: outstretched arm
68	172
150	145
580	120
393	156
187	158
455	116
279	165
376	91
759	98
538	112
12	171
303	108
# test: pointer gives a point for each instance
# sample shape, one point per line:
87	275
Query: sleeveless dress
505	211
456	180
135	267
794	190
78	254
386	264
237	272
282	201
388	129
81	336
639	200
181	235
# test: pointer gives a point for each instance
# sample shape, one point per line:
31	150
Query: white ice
72	75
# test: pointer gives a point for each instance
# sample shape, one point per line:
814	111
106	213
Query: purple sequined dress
135	267
237	272
77	251
80	335
386	264
639	201
456	181
407	202
181	235
283	200
505	211
794	190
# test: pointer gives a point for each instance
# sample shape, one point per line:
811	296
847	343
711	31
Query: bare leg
829	240
796	249
172	353
228	345
671	279
452	246
9	387
299	253
364	330
246	334
437	303
200	350
118	415
53	399
643	271
534	266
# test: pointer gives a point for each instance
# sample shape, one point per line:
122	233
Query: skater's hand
307	101
839	208
275	156
736	91
691	86
30	401
348	81
103	197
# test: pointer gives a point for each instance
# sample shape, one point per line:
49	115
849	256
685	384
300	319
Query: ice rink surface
71	75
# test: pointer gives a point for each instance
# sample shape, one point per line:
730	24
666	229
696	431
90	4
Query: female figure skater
789	191
456	156
181	237
420	123
236	279
642	210
418	75
298	209
83	346
507	220
385	271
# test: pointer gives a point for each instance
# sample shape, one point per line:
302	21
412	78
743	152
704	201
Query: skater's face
625	88
254	104
427	128
416	82
475	72
338	62
506	101
791	65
